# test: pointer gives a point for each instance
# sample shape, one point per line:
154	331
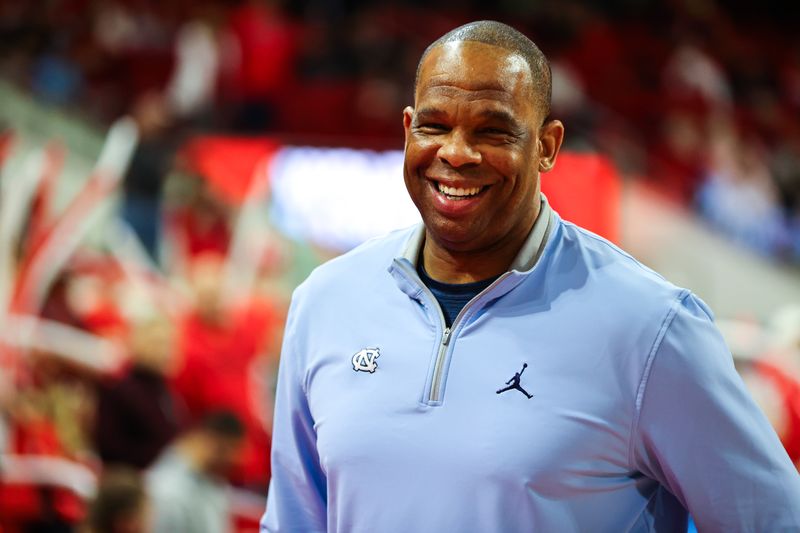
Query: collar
527	256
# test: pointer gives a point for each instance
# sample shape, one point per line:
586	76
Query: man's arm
297	498
700	434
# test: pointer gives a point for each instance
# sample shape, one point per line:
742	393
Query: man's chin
452	236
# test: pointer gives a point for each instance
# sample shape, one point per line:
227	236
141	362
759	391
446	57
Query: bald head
503	36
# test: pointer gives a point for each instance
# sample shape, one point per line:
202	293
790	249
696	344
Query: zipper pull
446	336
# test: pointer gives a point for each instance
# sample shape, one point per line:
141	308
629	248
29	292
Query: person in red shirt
219	350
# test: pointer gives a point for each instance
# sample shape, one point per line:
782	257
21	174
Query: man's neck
452	266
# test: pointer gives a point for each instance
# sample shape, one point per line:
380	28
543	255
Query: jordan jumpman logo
513	383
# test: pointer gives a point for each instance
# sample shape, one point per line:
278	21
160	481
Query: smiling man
475	144
498	369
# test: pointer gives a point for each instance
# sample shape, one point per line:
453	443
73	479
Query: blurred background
171	170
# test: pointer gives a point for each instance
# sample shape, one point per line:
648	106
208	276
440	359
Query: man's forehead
474	66
442	92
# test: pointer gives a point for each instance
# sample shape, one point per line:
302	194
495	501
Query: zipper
444	344
436	380
436	383
437	369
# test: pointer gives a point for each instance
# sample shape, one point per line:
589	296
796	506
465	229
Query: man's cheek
421	144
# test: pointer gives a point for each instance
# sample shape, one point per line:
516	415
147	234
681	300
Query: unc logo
365	360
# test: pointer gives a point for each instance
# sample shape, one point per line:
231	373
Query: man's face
474	147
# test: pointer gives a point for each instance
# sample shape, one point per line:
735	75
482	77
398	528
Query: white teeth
452	191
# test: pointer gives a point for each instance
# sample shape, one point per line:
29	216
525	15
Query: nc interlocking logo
365	360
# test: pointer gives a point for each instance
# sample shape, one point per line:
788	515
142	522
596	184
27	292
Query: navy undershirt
452	297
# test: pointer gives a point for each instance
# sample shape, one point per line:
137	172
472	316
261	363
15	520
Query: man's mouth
459	193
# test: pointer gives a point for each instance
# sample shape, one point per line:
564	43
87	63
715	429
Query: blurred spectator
33	506
739	195
784	330
786	169
56	79
120	505
678	159
199	226
137	414
570	104
191	90
152	160
325	54
790	76
121	27
219	346
692	77
259	63
187	484
91	295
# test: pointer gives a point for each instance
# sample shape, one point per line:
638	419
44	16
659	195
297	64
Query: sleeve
297	498
700	434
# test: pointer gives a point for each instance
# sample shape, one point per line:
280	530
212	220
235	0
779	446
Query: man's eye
494	131
432	127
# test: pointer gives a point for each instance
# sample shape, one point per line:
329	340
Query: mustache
445	172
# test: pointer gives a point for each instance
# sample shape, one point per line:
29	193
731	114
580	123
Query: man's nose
457	151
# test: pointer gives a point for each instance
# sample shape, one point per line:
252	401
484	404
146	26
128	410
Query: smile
459	193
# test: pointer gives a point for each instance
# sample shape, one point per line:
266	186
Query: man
187	485
387	413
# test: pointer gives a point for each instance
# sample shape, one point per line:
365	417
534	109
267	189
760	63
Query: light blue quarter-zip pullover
580	392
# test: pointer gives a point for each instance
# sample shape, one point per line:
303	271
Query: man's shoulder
627	291
607	260
617	296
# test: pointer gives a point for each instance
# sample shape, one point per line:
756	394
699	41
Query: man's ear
408	117
551	136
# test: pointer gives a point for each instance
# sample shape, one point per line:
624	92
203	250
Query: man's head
477	139
215	443
503	36
121	503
